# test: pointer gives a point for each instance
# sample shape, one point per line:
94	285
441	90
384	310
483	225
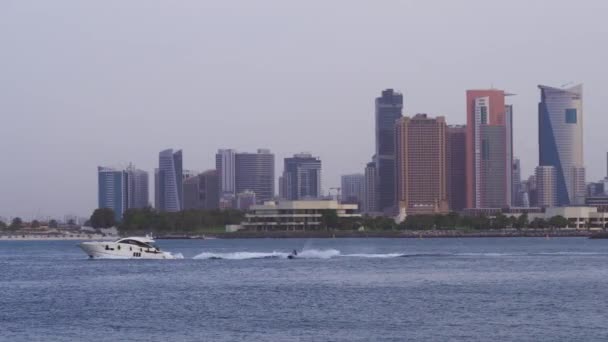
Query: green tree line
450	221
148	220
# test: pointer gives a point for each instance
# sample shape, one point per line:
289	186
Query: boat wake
333	253
177	255
305	254
241	255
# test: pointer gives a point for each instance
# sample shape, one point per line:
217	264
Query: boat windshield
137	243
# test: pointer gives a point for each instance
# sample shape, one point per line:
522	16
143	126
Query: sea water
501	289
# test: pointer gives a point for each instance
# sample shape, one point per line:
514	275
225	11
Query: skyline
104	96
279	166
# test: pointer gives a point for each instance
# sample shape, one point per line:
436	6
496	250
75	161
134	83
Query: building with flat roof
138	188
225	165
352	188
295	215
255	172
370	193
113	190
421	164
580	217
456	166
489	149
202	191
301	177
389	107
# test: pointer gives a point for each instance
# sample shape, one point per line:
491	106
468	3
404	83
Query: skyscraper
353	189
169	181
545	186
456	166
255	172
112	190
301	177
532	191
560	126
370	198
225	166
201	191
389	107
489	149
138	189
421	164
192	193
516	199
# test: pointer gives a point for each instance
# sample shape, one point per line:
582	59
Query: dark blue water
340	290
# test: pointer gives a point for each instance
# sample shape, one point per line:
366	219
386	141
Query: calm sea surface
516	289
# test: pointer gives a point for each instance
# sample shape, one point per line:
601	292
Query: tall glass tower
489	149
560	140
112	190
169	181
389	108
301	177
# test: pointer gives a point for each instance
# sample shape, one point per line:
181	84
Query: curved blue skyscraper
169	181
560	126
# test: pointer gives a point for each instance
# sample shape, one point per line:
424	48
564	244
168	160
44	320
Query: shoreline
74	237
430	234
423	234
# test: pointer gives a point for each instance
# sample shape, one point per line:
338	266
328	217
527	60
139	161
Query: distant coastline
386	234
408	234
52	237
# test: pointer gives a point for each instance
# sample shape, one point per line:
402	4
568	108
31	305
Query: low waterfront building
513	211
600	202
295	215
579	217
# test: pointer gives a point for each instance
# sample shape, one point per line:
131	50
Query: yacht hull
114	250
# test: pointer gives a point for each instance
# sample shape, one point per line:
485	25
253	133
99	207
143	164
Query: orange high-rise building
489	149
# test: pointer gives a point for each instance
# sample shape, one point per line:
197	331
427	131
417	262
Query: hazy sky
88	83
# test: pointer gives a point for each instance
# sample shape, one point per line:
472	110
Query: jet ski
293	255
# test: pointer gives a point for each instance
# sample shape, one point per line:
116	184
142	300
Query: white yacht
125	248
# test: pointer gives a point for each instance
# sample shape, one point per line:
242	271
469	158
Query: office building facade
225	164
138	188
301	177
489	149
352	189
421	164
169	181
456	166
546	195
516	199
370	198
112	190
389	108
202	191
255	172
560	126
